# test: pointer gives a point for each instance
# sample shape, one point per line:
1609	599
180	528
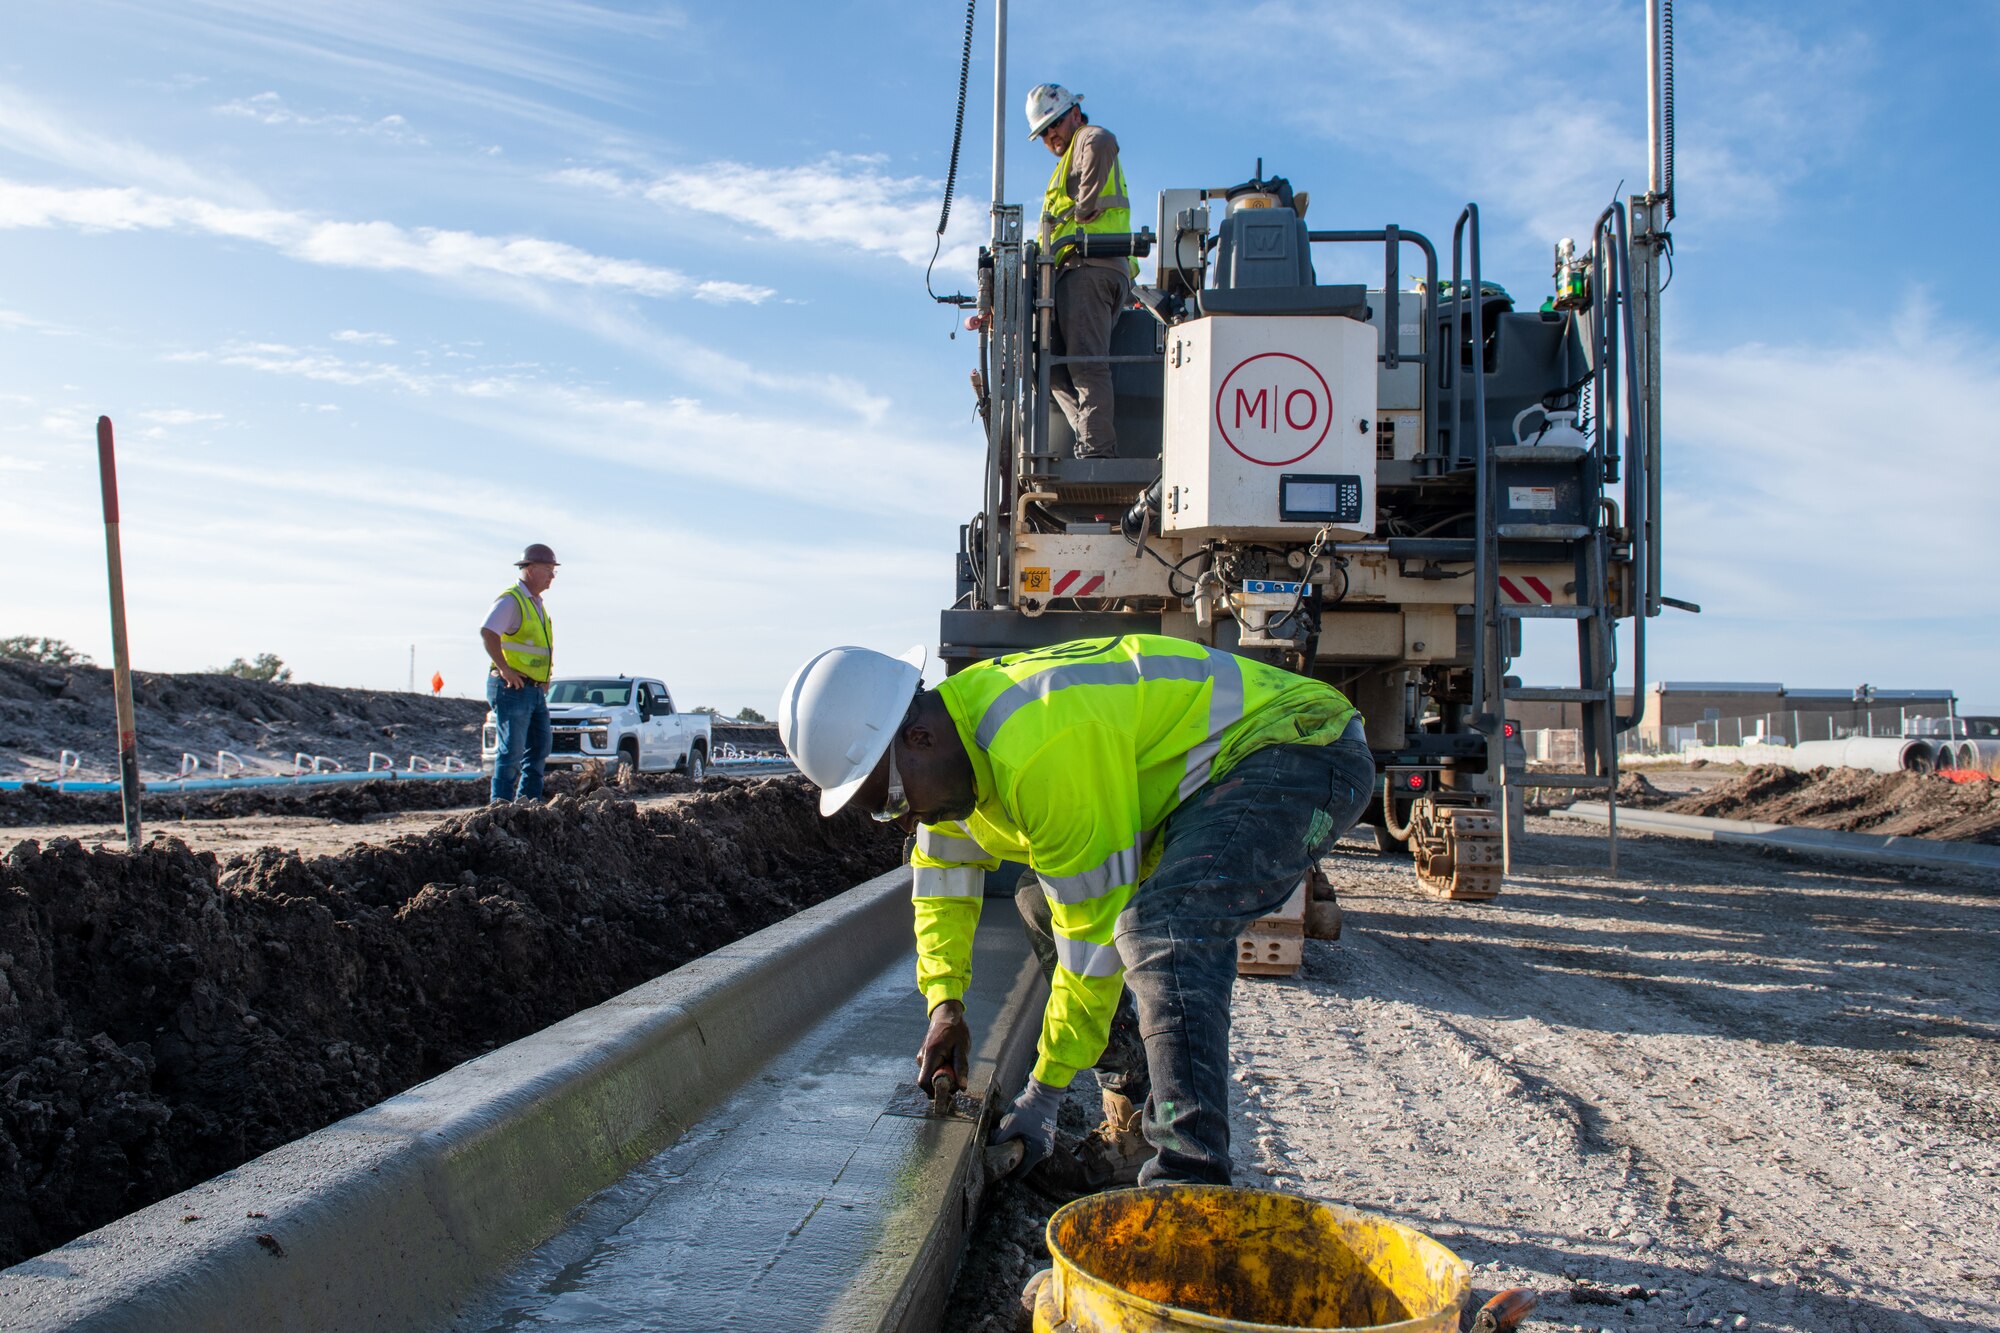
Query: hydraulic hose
1401	833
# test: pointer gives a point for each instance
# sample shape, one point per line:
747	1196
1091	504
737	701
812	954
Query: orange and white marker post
121	658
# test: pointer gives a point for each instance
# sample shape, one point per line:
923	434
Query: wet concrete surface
805	1199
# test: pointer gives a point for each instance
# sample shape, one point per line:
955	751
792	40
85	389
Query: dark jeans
523	718
1234	851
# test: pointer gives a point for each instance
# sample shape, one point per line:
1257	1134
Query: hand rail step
1547	612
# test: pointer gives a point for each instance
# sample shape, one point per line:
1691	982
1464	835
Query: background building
1725	712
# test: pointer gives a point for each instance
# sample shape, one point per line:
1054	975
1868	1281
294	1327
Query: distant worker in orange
521	643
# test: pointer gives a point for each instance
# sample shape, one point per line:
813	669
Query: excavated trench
166	1016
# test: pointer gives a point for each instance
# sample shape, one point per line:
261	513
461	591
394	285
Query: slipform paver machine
1374	485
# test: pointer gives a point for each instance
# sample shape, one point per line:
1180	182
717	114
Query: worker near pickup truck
1086	194
1164	795
520	642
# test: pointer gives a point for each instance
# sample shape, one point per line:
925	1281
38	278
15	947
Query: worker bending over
520	642
1086	193
1164	795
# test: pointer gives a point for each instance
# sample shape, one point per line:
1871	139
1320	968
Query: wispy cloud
840	200
16	321
867	466
1426	88
431	251
364	337
31	129
269	108
178	416
1801	475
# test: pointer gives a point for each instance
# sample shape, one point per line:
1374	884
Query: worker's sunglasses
897	805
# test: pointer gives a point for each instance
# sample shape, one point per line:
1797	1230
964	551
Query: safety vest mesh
1080	752
1058	208
528	648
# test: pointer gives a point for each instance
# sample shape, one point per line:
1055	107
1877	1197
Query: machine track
1458	851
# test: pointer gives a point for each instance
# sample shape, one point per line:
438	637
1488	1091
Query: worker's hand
1032	1119
947	1046
974	323
513	679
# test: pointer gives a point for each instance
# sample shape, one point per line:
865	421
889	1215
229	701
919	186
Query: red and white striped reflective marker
1536	593
1076	583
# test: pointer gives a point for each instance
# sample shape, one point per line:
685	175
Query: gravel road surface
1724	1090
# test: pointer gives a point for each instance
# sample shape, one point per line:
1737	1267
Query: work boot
1106	1158
1118	1146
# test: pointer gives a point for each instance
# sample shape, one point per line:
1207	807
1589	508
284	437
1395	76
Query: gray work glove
1032	1120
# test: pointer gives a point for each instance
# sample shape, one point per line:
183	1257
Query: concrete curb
393	1217
1890	850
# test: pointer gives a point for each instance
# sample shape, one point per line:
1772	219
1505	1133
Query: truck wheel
697	763
628	756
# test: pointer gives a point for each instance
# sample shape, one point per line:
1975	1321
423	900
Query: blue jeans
523	718
1234	851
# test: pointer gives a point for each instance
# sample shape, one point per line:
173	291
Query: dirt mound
1847	799
44	709
1634	789
167	1016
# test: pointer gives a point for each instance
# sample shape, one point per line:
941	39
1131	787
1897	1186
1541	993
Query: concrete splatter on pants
1088	299
1234	851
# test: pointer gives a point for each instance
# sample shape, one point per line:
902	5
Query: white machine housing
1269	427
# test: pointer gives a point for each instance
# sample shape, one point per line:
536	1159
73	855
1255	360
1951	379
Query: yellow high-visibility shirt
1079	753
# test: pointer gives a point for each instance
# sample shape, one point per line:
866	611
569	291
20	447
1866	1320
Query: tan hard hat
537	554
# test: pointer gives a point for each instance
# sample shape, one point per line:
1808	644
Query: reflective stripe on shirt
1087	959
947	882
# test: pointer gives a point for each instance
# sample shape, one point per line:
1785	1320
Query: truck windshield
607	693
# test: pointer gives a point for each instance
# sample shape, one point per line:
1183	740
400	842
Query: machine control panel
1309	497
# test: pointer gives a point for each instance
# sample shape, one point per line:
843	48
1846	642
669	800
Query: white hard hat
1047	104
839	712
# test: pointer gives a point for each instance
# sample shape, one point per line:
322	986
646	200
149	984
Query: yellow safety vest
528	648
1058	207
1079	753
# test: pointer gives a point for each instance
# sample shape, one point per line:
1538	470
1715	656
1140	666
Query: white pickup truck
620	720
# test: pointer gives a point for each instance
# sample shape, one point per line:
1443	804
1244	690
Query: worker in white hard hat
519	640
1086	194
1164	795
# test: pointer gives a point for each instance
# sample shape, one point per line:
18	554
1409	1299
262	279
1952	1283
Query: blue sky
377	293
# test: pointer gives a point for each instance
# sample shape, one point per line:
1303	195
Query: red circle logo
1273	409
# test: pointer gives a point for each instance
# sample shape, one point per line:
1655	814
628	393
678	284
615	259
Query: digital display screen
1312	498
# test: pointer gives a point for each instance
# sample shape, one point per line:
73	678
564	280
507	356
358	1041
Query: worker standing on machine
1086	193
1164	794
520	641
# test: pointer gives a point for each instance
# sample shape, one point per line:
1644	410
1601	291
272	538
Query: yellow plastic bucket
1216	1257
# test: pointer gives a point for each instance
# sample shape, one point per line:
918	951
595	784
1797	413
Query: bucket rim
1461	1272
